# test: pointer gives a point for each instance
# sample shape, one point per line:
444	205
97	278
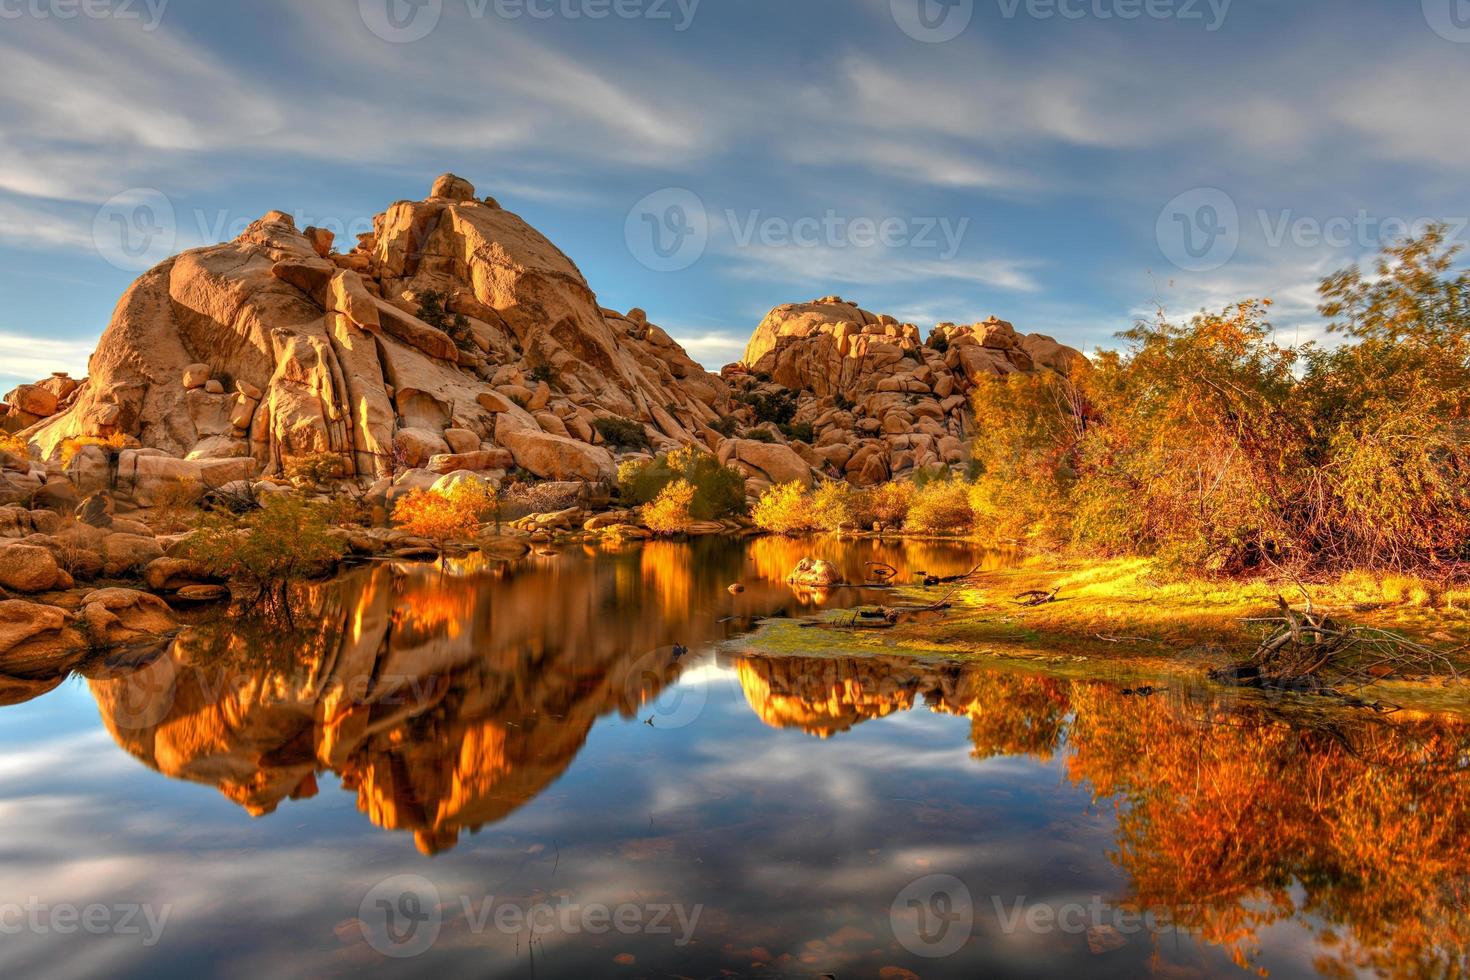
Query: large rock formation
880	401
455	337
274	346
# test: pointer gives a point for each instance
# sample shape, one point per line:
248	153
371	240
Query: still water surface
575	766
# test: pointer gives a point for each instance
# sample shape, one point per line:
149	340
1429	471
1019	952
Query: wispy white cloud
713	350
30	226
28	358
814	267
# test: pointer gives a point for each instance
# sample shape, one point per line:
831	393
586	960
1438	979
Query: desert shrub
669	513
347	508
1213	448
312	470
726	426
777	407
939	342
1024	459
236	497
831	506
941	507
176	502
784	509
885	506
543	498
719	491
14	445
455	514
283	540
432	310
623	433
800	431
113	444
1389	411
758	435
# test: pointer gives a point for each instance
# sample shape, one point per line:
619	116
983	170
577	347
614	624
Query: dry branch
1310	652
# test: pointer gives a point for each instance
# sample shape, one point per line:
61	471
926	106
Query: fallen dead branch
887	617
1309	652
931	580
882	572
1036	597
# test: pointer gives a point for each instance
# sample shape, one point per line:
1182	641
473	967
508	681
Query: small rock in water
814	573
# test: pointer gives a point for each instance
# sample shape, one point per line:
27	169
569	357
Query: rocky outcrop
275	346
29	404
455	337
880	401
37	640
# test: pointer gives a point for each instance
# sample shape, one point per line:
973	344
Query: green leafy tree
284	540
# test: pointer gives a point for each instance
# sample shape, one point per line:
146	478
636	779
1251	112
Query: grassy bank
1120	618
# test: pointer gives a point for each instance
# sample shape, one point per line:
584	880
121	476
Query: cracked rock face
274	345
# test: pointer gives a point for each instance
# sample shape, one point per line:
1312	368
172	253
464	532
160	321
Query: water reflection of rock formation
1233	816
445	701
442	709
824	696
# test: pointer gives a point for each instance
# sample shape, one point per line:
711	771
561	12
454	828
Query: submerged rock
814	573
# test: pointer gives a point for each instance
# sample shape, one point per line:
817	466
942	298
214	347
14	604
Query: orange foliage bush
13	444
669	512
115	442
784	509
442	517
886	506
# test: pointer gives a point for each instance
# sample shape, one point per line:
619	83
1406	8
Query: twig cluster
1308	651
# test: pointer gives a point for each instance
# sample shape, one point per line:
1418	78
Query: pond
583	765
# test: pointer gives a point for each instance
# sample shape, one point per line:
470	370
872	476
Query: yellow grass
1131	597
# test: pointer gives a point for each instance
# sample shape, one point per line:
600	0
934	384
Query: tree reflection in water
1232	815
447	699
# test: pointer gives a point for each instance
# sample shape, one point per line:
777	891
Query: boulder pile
867	398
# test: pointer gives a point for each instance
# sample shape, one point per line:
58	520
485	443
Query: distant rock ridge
881	401
454	336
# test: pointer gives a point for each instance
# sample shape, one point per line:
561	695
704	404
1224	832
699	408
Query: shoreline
1116	619
1113	618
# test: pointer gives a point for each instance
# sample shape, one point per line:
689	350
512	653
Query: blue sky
1064	164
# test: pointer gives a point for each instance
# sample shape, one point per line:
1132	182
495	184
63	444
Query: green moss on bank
1121	620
